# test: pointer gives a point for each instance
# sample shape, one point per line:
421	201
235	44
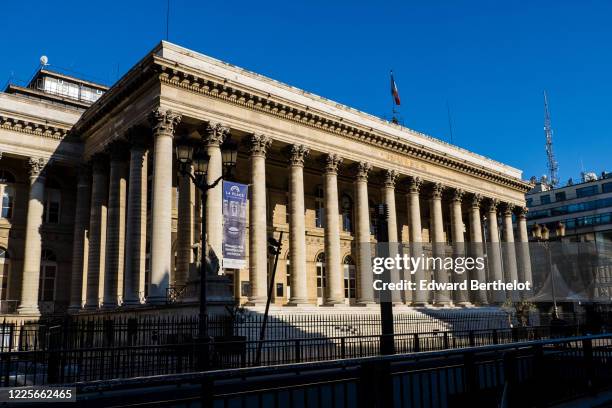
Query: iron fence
525	374
36	367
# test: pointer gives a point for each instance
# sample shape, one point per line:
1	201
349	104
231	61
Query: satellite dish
44	60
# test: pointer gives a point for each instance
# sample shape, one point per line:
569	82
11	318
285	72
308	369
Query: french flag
394	91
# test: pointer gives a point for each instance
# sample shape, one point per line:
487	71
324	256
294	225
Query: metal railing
537	373
60	365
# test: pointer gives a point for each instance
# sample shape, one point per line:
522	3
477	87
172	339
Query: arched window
7	192
319	207
321	275
53	198
347	213
48	273
5	264
349	277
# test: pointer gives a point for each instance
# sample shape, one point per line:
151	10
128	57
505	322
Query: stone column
494	252
115	234
97	232
524	274
185	224
509	251
419	297
461	297
258	227
334	292
365	291
136	225
31	262
477	250
164	123
438	242
297	227
81	221
213	137
388	196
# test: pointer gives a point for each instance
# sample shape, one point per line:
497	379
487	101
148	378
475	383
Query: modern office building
95	214
584	208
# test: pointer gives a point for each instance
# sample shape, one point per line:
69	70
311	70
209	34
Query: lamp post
541	234
189	153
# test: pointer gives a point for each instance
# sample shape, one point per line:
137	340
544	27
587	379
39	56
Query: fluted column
297	226
419	297
477	250
365	291
97	231
185	224
115	235
31	262
164	123
81	221
388	195
258	258
461	297
213	137
136	226
438	242
334	292
494	252
524	270
509	251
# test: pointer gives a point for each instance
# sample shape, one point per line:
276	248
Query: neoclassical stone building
130	223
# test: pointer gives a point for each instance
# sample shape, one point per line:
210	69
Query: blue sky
489	61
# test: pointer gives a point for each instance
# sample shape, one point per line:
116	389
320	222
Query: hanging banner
234	224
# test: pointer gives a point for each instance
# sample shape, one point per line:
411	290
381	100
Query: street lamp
541	234
189	153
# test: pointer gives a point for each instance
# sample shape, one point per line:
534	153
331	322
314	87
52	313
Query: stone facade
315	170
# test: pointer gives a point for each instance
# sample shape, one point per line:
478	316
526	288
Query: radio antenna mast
552	163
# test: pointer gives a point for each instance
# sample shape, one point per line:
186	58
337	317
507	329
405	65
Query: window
373	218
51	213
606	188
279	290
545	199
586	191
245	288
319	208
560	196
321	276
48	272
347	213
7	192
529	202
288	275
4	272
349	277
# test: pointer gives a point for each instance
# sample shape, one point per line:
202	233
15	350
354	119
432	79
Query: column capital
99	163
390	178
259	144
84	174
118	150
508	209
297	154
521	211
332	162
457	195
36	166
215	133
164	121
476	200
138	136
414	184
492	204
436	190
362	170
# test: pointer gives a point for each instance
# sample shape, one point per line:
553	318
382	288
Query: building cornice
32	127
185	78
